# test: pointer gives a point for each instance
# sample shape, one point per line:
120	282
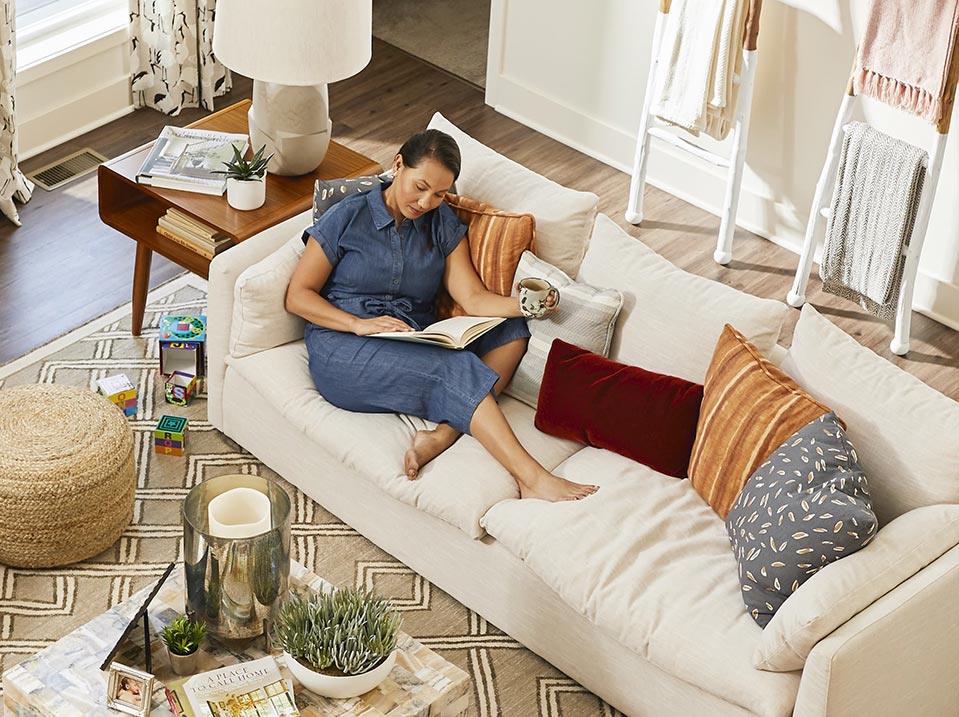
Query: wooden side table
133	209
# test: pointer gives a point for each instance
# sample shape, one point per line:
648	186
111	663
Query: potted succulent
182	638
246	179
338	644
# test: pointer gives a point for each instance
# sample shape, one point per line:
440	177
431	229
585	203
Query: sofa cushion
327	192
905	431
648	562
844	588
586	318
671	319
260	318
497	240
749	408
806	506
459	486
564	217
647	417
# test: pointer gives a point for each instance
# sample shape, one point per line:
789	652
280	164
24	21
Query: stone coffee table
64	680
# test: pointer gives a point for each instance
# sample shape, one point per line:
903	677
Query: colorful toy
182	342
179	388
121	391
170	435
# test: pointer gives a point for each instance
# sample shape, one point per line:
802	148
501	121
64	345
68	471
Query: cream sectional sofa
634	591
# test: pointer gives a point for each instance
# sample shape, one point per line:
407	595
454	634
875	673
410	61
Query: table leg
141	285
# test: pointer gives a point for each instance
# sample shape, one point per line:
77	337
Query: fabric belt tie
398	308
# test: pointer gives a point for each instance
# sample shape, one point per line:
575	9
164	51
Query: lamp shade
294	42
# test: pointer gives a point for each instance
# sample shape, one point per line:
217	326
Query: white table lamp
291	50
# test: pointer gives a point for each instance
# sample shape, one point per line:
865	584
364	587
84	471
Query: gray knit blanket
874	206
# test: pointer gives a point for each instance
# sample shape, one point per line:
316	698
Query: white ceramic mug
533	293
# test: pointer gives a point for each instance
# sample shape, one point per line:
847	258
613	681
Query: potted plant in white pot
246	179
182	638
338	644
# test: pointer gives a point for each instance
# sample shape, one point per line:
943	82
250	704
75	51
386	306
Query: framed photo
129	690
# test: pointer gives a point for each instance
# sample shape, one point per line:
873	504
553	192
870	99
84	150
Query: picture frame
129	690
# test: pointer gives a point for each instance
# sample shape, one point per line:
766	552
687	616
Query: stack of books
184	229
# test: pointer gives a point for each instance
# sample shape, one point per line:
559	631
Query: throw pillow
842	589
585	318
806	506
648	417
327	192
749	408
497	240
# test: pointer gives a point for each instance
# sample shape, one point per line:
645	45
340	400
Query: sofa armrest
224	270
899	656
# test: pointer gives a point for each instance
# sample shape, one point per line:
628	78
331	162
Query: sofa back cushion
564	217
906	433
671	319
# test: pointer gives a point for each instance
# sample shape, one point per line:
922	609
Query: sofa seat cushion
649	562
459	486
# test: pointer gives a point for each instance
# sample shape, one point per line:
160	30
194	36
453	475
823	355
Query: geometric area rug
37	607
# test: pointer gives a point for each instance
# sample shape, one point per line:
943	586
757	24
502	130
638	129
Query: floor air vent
67	168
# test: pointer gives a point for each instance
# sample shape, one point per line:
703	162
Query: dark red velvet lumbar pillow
647	417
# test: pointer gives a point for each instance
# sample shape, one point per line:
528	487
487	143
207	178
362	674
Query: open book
453	333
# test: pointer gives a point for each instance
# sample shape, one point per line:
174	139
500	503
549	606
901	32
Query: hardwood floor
64	267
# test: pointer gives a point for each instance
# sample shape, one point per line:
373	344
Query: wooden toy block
182	344
179	388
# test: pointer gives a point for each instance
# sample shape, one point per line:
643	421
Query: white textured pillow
671	319
585	318
260	318
564	217
844	588
906	433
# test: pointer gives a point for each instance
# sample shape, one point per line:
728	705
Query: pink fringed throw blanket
905	52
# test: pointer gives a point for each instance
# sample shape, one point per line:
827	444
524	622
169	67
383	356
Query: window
47	28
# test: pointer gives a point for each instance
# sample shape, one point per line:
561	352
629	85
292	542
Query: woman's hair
435	145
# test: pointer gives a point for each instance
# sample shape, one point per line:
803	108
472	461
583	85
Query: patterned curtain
13	185
172	62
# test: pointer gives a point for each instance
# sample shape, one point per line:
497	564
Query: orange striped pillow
497	240
749	409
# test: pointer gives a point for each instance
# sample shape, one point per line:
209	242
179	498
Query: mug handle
555	292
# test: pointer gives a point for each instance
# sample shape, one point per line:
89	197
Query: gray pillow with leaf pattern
327	192
806	506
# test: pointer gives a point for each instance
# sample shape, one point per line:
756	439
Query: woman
374	263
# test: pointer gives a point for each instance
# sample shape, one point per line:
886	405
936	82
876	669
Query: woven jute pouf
67	475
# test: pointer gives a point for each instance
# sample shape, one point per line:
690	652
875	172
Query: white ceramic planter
245	194
340	687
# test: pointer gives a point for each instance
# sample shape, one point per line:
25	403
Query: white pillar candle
239	513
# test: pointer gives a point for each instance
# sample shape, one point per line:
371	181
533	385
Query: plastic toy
121	391
169	437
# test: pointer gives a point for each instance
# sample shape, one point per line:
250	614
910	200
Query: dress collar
381	215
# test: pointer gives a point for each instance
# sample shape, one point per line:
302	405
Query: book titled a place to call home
257	685
455	333
189	159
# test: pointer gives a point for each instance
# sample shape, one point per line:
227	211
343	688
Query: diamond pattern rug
37	607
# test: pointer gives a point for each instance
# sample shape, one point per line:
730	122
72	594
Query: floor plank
63	267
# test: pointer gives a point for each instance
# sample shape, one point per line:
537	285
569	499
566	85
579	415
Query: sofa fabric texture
564	216
497	240
647	417
749	408
586	318
806	506
905	431
671	319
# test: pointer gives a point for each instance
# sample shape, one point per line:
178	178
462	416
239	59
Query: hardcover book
455	333
247	688
189	159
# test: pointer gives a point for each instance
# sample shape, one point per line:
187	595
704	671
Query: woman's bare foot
426	446
546	486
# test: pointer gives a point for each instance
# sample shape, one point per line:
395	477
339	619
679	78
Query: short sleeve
328	230
448	229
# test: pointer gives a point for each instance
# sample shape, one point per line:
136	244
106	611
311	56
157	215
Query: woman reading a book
373	263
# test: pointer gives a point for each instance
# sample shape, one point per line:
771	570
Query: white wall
73	93
580	78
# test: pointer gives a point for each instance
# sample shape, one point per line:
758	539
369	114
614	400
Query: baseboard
53	128
685	177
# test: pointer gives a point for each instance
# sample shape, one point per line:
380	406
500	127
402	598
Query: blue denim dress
379	270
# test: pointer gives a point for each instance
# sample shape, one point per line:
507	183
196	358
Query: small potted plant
246	179
182	638
338	644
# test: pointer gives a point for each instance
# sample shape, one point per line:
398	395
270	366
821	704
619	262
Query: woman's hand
378	324
552	301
